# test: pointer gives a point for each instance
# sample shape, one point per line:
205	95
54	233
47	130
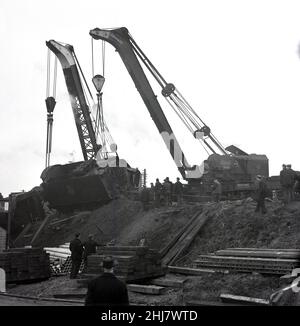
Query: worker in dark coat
157	193
178	191
151	192
167	191
291	179
90	247
76	249
261	194
107	289
287	180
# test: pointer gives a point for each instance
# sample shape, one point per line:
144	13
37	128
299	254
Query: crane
235	168
92	130
132	55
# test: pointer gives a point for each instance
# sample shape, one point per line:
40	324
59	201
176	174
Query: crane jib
85	130
120	39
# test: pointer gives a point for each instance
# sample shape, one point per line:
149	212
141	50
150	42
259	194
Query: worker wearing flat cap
287	182
107	289
76	249
261	194
291	179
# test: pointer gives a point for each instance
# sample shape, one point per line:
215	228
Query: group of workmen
167	193
162	194
106	289
80	252
288	182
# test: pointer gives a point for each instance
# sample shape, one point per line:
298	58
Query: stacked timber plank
23	264
182	240
133	263
262	253
266	261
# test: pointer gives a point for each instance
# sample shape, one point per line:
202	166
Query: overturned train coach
79	185
86	185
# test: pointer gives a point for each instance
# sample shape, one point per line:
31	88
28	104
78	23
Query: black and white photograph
149	161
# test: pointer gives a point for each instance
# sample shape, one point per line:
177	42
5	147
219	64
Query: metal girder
65	54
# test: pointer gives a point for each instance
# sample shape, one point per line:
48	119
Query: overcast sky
236	62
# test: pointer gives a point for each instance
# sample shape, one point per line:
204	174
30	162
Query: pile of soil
123	221
106	223
158	226
235	224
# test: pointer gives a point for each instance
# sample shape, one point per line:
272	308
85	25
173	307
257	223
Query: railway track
268	261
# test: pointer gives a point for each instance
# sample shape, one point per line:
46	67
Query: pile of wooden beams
133	263
23	264
260	252
265	261
229	298
182	240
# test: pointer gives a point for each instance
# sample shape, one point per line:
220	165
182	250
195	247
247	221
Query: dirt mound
122	220
158	226
235	224
106	223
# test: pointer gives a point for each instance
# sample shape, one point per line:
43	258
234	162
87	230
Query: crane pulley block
50	104
168	90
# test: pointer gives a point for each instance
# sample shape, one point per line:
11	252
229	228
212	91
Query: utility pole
144	182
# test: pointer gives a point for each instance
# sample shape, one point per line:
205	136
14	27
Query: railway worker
90	247
217	190
167	191
261	194
291	179
178	191
151	191
157	193
107	289
284	183
76	249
